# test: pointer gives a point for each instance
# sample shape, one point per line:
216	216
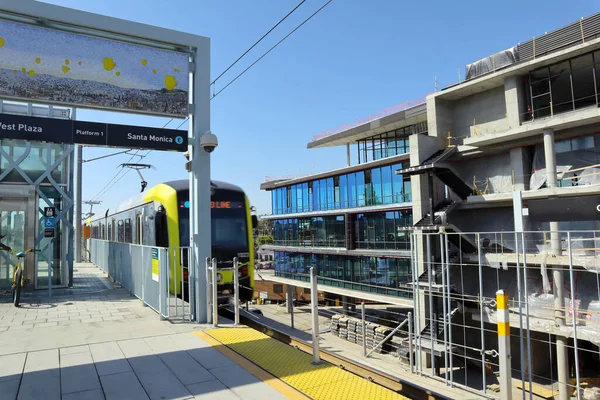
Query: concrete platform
107	345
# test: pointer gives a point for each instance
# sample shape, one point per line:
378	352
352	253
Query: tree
265	227
265	239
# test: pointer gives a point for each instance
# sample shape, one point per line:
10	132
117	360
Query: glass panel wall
327	231
357	189
383	230
388	144
564	86
368	274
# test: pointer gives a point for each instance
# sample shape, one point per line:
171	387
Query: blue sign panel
49	222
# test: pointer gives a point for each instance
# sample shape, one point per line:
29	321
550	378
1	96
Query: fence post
314	299
215	294
505	377
289	299
364	328
410	344
236	291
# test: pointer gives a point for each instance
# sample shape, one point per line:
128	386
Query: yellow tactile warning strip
283	388
293	366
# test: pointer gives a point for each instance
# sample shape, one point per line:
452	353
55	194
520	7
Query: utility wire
272	48
257	42
106	187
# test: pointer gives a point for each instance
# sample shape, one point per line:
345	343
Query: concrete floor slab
11	366
123	386
41	376
211	390
10	388
96	394
109	359
244	384
78	373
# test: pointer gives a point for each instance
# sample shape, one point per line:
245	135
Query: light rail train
160	216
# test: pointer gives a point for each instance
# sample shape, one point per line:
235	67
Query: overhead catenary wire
271	49
121	173
257	42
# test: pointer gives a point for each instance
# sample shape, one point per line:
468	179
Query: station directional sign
91	133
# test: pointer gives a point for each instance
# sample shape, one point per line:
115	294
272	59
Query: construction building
489	184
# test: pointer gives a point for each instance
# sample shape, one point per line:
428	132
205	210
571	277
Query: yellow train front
160	217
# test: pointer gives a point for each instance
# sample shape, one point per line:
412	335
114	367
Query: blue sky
47	51
353	59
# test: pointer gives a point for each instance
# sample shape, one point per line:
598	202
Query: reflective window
388	144
327	231
387	276
564	86
358	189
344	191
383	230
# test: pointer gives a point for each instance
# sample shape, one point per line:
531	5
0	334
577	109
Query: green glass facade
325	231
368	274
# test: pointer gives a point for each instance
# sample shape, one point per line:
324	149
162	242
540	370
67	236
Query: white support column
504	356
314	306
78	200
562	354
199	124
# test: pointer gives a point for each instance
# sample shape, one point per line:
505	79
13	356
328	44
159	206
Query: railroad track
408	389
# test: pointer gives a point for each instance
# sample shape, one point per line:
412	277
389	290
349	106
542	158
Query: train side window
138	228
277	288
120	231
162	235
109	237
128	230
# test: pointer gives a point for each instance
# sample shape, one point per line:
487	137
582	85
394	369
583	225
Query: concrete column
562	355
521	168
550	158
440	117
421	148
513	96
348	153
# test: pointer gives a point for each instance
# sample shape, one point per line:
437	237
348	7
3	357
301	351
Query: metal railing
155	275
551	281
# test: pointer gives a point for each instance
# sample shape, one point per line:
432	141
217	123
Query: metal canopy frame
198	49
65	213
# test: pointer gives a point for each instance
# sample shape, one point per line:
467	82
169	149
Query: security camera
209	142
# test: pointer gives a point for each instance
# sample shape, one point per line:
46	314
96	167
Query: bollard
505	377
215	294
208	291
314	299
236	291
364	328
410	344
289	299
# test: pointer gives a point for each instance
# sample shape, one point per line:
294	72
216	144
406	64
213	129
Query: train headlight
219	277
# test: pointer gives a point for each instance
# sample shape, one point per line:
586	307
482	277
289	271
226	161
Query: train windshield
229	229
